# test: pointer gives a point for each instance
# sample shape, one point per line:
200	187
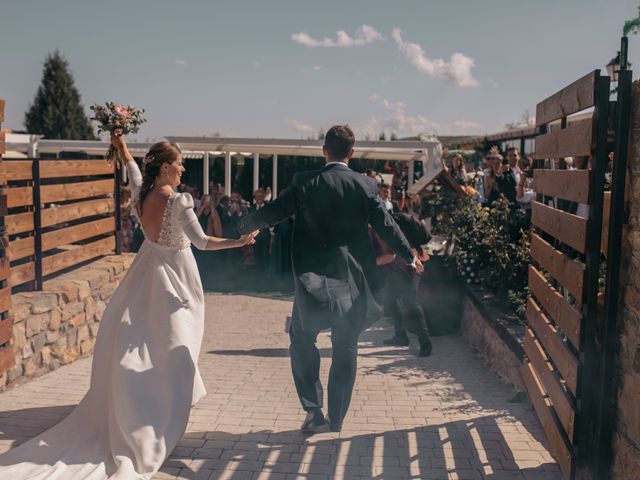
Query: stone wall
495	334
58	325
626	441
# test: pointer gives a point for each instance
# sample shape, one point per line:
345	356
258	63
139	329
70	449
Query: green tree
382	136
56	111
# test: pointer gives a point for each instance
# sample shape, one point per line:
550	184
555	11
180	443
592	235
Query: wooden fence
60	213
6	350
561	343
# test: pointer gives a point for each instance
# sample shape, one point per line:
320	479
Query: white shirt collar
339	163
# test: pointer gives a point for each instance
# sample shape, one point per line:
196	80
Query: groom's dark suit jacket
333	259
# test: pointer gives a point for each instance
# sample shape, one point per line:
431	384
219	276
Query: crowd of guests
508	176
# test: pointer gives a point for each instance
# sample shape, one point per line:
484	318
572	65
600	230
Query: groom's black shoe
314	423
425	348
334	428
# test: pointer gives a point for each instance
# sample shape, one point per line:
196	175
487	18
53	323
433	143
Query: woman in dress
144	376
458	171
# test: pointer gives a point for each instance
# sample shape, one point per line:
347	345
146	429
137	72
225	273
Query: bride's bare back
152	213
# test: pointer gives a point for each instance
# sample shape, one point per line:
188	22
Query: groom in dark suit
335	273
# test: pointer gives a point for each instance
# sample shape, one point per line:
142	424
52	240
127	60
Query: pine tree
56	111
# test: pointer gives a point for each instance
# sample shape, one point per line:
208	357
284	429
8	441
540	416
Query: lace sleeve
135	180
187	221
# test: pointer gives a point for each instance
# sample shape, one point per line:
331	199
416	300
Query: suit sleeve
272	213
388	230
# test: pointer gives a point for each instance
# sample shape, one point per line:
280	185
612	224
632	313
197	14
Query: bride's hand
249	238
117	140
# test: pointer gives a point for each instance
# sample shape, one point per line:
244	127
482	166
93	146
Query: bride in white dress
144	376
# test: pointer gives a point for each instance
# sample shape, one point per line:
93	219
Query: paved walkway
443	417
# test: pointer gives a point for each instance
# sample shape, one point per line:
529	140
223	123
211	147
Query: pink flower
123	111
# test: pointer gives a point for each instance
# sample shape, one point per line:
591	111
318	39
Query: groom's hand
417	265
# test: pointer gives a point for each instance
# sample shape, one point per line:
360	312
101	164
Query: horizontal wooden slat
18	169
75	191
3	144
7	358
560	449
562	357
5	300
64	213
5	267
573	98
19	223
66	259
573	141
74	168
19	196
6	328
22	274
569	229
567	317
548	376
22	247
572	185
76	233
570	273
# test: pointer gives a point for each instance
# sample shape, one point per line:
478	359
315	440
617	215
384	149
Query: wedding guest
498	183
384	192
268	195
402	285
513	161
458	170
263	239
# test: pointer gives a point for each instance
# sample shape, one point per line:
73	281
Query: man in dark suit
263	239
384	190
335	273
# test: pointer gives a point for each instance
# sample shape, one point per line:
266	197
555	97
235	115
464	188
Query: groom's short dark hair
339	141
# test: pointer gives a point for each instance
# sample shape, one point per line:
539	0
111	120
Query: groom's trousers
305	365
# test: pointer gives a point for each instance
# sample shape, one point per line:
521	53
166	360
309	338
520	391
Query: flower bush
491	244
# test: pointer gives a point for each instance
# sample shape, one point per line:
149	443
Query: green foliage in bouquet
57	111
491	243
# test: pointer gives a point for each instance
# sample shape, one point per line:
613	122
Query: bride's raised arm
133	172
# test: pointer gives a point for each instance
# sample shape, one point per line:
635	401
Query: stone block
89	307
93	328
19	335
30	366
52	337
83	333
72	337
46	355
27	350
107	291
19	311
15	371
84	290
37	323
38	341
95	277
41	302
70	355
78	320
56	319
87	346
59	347
68	291
70	310
100	307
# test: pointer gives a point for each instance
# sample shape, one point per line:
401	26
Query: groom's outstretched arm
274	212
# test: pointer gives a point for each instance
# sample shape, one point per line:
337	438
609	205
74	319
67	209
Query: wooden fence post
7	359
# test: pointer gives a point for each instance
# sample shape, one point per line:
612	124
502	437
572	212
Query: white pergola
427	150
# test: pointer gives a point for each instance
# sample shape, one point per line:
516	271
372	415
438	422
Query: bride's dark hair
158	154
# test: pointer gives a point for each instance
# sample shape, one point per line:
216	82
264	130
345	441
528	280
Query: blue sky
250	68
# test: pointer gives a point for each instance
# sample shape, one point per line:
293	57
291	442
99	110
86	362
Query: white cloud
456	70
181	62
313	68
304	129
397	120
364	35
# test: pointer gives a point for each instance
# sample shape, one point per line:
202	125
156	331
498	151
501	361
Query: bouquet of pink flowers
112	116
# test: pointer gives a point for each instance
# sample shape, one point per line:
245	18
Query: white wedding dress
144	376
